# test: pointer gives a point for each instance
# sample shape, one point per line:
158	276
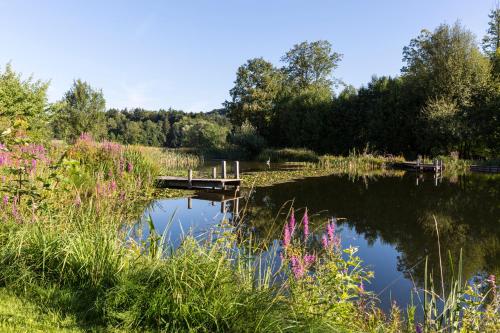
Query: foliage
22	107
247	138
312	63
80	111
254	94
200	133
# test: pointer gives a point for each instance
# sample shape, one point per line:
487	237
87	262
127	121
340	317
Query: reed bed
171	159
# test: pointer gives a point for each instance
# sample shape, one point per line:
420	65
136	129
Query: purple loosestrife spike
324	241
309	259
330	229
15	212
286	236
292	222
297	268
130	167
5	199
306	225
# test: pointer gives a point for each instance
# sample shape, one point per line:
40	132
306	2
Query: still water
389	219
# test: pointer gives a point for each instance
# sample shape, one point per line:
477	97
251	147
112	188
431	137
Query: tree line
446	99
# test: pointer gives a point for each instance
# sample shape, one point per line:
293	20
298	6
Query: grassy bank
67	264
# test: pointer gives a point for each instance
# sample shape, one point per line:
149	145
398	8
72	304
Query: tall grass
171	159
288	155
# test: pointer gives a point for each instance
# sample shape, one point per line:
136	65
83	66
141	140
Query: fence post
190	178
214	172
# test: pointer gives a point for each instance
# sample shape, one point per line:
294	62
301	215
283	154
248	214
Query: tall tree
80	111
22	106
311	63
446	70
254	94
491	41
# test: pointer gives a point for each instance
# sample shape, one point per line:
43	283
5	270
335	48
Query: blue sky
184	54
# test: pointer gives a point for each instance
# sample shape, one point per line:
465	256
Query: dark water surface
390	220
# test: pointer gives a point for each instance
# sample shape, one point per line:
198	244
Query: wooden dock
418	166
225	199
221	182
485	168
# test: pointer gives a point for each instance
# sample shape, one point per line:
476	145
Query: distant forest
445	100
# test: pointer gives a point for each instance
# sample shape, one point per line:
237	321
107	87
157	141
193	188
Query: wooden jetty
485	168
215	182
418	166
219	197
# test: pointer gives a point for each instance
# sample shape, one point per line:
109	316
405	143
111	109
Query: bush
247	138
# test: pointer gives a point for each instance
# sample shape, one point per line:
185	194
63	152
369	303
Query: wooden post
190	177
223	207
190	203
223	172
237	207
214	172
237	169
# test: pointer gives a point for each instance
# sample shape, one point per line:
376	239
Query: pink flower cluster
301	265
290	227
106	189
14	206
330	240
112	147
26	156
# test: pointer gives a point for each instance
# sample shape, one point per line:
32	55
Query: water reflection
390	219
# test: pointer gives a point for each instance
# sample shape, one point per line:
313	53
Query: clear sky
184	54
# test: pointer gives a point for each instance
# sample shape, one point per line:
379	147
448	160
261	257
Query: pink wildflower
5	200
286	236
324	241
330	229
306	225
297	267
309	259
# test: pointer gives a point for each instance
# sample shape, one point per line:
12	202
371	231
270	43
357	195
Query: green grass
20	315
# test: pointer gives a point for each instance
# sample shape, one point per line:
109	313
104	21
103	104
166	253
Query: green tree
445	68
22	106
311	63
247	138
199	133
254	94
491	41
80	111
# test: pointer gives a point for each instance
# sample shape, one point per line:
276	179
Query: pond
389	219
